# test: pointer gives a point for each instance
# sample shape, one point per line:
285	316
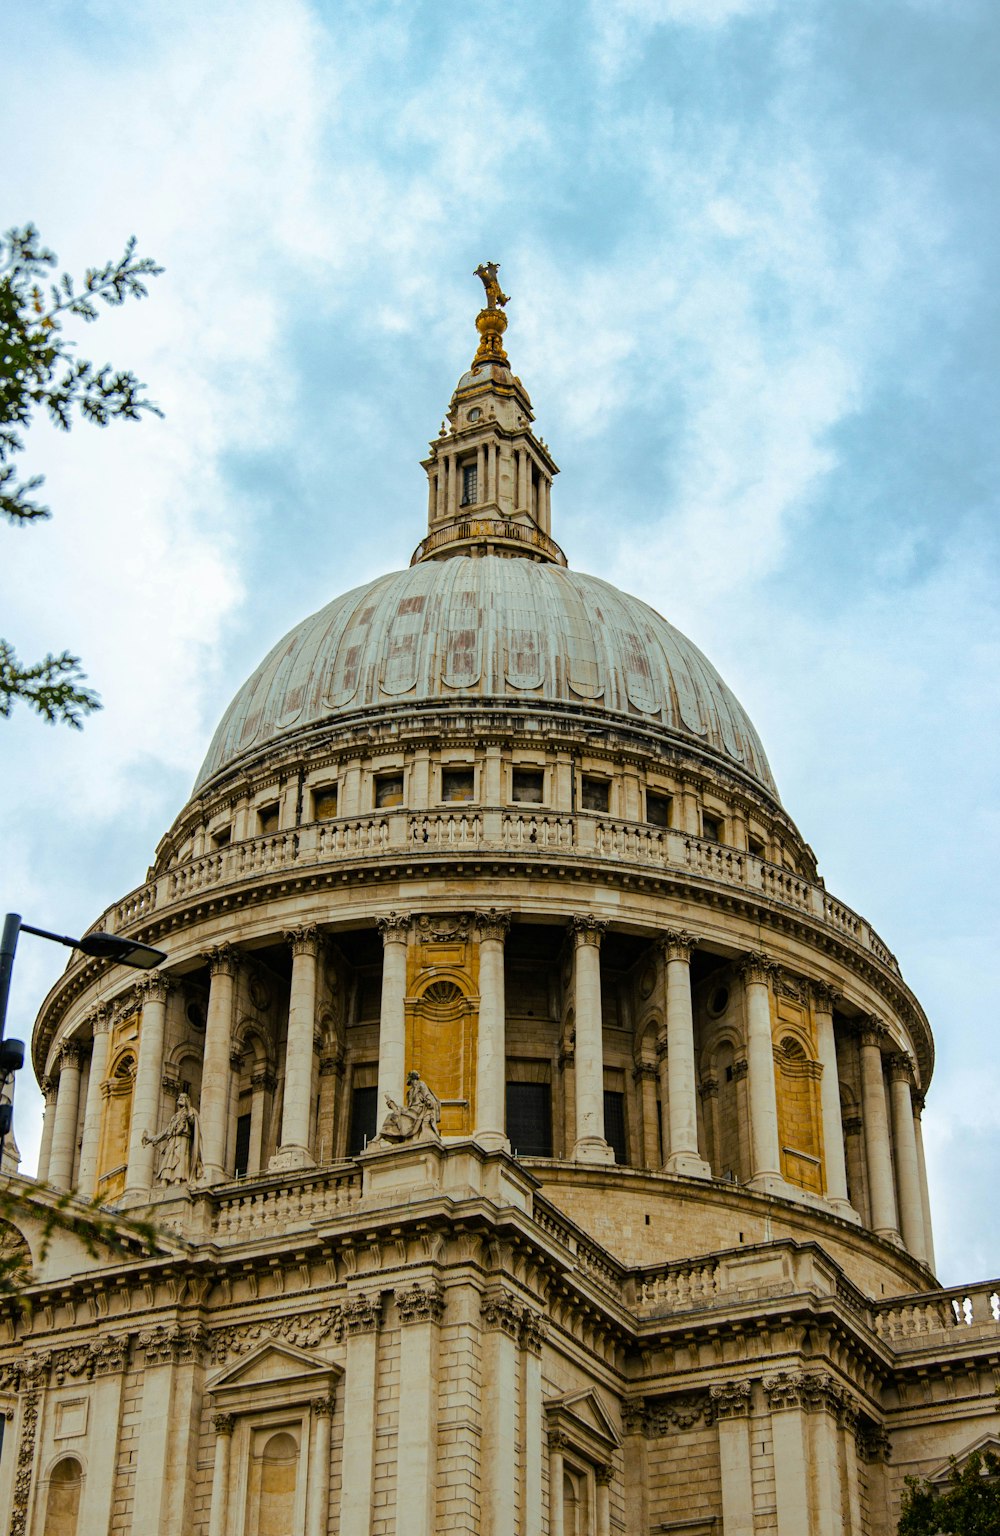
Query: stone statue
417	1120
180	1160
495	295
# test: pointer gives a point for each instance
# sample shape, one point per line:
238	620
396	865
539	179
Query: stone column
67	1110
481	472
420	1307
881	1197
663	1072
223	1424
533	1331
604	1474
491	1050
362	1316
318	1506
911	1206
824	998
216	1069
683	1156
147	1094
731	1401
501	1322
92	1114
918	1109
591	1146
557	1444
262	1083
765	1152
392	1020
48	1088
300	1051
644	1074
788	1440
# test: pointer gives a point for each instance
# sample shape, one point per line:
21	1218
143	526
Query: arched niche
116	1122
62	1501
441	1023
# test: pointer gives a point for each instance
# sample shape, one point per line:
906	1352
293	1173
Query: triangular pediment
586	1411
942	1473
270	1361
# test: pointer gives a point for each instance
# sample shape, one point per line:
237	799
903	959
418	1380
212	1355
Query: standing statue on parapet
180	1160
417	1120
495	295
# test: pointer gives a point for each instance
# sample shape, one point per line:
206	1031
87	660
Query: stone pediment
583	1415
273	1368
942	1473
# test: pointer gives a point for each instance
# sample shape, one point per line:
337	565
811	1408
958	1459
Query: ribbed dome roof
487	628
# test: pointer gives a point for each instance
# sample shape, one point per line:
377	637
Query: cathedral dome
480	629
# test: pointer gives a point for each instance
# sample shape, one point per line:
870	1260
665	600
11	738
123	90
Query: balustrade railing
908	1320
250	1210
512	830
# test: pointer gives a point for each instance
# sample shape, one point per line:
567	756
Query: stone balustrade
908	1321
246	1210
518	831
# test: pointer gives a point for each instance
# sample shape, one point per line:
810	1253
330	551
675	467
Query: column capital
919	1099
730	1399
708	1088
501	1312
49	1087
223	960
604	1472
785	1389
394	927
872	1030
99	1019
756	967
420	1303
362	1313
741	1069
304	940
534	1329
263	1080
224	1423
644	1070
662	1048
588	930
676	944
901	1068
323	1407
825	995
236	1058
70	1055
493	925
154	988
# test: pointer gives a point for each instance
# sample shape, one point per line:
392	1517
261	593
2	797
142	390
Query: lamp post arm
8	947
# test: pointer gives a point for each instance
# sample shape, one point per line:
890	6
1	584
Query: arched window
62	1507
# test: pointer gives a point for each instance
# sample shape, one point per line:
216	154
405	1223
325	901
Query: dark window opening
594	794
614	1124
388	790
325	803
657	809
527	786
222	838
711	828
458	784
529	1119
364	1113
267	818
470	485
242	1145
756	847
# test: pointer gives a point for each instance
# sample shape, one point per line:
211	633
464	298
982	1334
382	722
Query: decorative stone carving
634	1416
263	1080
437	927
873	1031
731	1399
223	1423
99	1357
362	1314
676	943
825	995
25	1463
588	930
756	967
417	1120
304	940
223	960
303	1330
683	1412
901	1068
180	1160
70	1054
872	1442
171	1345
420	1303
794	987
708	1088
323	1407
493	925
395	928
534	1328
740	1068
154	988
784	1390
500	1310
644	1070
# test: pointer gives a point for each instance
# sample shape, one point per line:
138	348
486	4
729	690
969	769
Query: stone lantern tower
532	1141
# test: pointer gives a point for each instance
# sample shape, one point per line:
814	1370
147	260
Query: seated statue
180	1160
417	1120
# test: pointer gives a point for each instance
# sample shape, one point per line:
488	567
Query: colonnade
893	1150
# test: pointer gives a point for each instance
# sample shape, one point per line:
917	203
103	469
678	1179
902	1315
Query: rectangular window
267	818
594	794
222	838
527	786
470	485
711	828
614	1124
529	1119
756	847
242	1145
458	784
364	1116
657	809
325	803
388	790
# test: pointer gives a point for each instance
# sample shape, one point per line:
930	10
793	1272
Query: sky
752	253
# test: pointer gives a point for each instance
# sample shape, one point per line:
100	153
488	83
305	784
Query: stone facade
661	1257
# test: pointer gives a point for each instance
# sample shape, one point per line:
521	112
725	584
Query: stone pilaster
362	1317
491	1051
395	931
420	1307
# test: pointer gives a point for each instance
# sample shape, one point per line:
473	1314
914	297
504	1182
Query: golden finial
491	322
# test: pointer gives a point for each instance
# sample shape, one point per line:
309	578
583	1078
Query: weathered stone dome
487	628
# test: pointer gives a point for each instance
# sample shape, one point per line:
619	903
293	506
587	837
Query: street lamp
102	946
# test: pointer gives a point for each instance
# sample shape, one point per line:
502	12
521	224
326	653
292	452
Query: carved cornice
731	1399
587	930
756	968
362	1314
493	925
420	1303
812	1390
676	944
395	927
99	1357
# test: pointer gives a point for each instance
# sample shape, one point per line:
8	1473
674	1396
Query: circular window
718	1001
195	1015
